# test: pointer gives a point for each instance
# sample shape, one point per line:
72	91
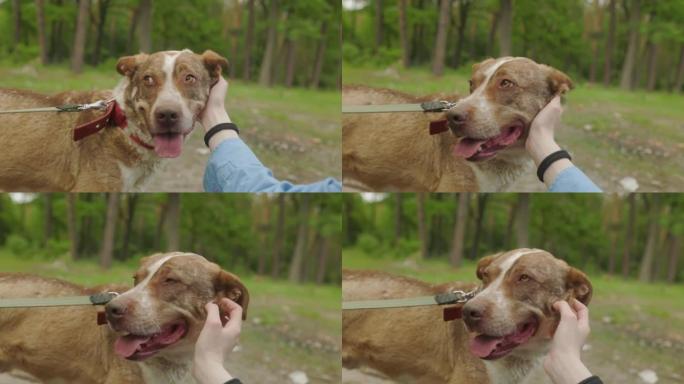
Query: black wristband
234	380
550	159
217	128
591	380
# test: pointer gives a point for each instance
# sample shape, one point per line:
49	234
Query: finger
565	311
234	312
582	313
212	313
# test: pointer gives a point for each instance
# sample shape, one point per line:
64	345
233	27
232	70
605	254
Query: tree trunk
320	57
679	78
279	237
610	46
398	217
652	65
108	237
505	28
131	202
16	18
379	26
492	33
132	29
322	260
646	268
263	218
481	206
72	225
80	37
626	79
422	225
674	254
42	41
266	70
522	220
290	63
404	35
145	26
441	40
463	8
295	274
48	220
173	215
629	237
103	6
249	41
458	242
160	225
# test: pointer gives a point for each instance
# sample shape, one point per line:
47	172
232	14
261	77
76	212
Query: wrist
206	371
214	117
540	146
565	369
220	137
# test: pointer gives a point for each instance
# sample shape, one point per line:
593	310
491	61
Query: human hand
541	139
215	110
563	363
216	341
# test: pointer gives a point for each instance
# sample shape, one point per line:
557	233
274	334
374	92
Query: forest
293	237
274	42
633	44
633	236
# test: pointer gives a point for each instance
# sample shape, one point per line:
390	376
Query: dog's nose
457	117
166	117
115	310
472	314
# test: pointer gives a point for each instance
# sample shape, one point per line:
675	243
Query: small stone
648	376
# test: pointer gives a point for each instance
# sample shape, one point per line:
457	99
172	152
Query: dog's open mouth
139	347
481	149
493	347
168	144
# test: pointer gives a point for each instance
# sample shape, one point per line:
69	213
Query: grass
635	325
289	327
293	131
612	133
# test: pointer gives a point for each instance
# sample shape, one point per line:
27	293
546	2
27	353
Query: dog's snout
115	309
457	117
166	117
473	313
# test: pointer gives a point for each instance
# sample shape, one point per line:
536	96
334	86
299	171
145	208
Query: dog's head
505	96
513	313
165	92
164	312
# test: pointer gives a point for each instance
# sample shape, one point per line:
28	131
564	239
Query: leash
453	297
97	299
429	106
100	104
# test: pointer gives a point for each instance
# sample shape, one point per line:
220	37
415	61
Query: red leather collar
115	116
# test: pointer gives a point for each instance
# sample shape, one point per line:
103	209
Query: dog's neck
158	370
512	369
497	174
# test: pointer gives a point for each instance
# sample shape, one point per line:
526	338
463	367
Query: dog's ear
483	264
559	82
229	285
127	65
215	64
578	286
482	64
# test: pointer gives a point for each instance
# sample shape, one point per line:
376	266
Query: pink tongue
468	147
482	346
168	146
126	346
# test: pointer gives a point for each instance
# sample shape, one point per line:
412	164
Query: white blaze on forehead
169	93
482	104
494	290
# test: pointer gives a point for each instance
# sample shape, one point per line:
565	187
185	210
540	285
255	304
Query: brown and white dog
485	152
152	326
157	104
504	335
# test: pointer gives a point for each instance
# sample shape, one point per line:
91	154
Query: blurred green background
630	246
622	122
285	248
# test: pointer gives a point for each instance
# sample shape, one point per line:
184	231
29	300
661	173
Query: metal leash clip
454	297
437	106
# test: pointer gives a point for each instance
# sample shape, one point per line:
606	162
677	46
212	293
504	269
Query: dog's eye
148	80
470	84
189	79
523	278
505	83
170	280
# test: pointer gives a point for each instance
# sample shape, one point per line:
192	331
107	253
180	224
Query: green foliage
17	244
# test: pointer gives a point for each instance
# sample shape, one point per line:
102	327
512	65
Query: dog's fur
393	151
38	151
65	344
416	345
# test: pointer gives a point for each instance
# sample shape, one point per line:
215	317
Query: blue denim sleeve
233	167
573	180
